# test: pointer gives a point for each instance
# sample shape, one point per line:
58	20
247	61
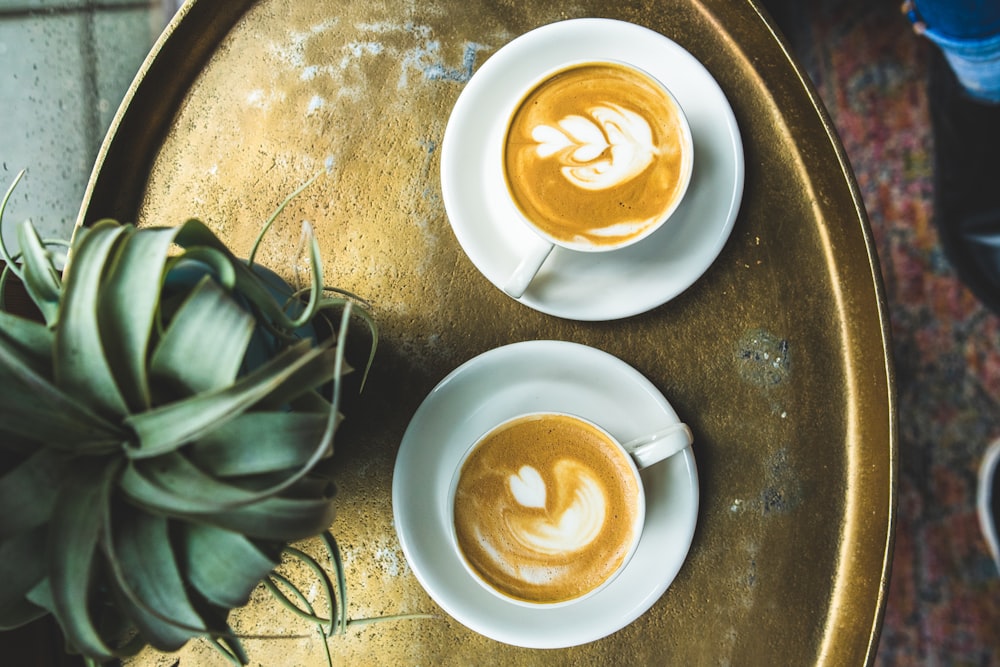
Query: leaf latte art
609	146
545	508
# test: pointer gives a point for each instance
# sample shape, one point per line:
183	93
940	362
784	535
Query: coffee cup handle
527	268
655	447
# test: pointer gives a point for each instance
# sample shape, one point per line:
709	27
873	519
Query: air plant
166	426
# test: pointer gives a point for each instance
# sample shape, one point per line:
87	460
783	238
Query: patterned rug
870	70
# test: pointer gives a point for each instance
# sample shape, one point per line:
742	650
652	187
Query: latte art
597	155
609	147
560	530
545	508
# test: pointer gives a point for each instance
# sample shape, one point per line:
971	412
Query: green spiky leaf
210	555
82	367
73	553
166	428
41	278
21	569
28	492
148	576
274	441
128	309
203	348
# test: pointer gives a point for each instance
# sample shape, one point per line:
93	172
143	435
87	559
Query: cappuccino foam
546	508
597	155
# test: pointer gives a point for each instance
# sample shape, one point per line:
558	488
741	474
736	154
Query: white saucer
499	384
588	286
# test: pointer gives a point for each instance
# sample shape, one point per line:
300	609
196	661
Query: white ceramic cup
535	252
639	453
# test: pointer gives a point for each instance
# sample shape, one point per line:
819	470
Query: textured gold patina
776	357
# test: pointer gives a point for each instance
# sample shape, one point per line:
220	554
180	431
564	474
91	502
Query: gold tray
778	356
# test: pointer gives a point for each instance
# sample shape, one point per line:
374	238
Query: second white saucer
549	376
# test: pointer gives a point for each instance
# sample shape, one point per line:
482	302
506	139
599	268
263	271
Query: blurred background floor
871	71
65	65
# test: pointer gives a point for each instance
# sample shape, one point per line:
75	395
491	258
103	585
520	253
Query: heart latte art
597	154
605	149
546	508
568	528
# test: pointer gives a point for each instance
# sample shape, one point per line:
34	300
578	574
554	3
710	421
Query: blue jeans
968	33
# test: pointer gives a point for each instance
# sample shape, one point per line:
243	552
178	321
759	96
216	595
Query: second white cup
548	508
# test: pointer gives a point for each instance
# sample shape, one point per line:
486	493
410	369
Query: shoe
966	181
988	500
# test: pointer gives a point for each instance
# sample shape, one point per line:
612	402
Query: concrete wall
64	67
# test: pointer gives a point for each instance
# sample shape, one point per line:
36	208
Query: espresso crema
597	154
546	508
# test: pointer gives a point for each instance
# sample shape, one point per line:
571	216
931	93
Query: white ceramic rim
540	376
619	283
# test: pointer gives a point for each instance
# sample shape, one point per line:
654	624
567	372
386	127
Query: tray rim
180	41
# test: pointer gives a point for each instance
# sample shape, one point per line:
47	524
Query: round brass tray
777	357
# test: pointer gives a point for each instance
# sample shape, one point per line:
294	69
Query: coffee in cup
596	156
547	508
